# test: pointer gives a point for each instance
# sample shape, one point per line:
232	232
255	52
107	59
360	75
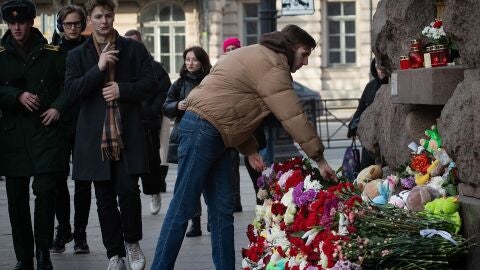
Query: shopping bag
351	161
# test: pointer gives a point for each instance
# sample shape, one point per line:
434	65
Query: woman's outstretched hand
256	161
326	171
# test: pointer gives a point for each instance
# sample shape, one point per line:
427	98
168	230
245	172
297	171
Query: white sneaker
135	256
155	204
116	263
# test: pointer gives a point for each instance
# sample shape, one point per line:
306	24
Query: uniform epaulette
51	47
2	48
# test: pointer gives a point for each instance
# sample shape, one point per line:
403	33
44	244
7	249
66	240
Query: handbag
172	156
351	161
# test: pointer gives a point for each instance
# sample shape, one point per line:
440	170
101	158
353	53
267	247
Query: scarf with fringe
112	143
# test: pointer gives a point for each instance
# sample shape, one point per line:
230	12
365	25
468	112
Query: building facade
338	67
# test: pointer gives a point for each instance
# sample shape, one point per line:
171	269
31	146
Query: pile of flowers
307	223
434	33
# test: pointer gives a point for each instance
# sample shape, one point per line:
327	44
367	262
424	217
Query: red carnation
278	208
437	24
294	179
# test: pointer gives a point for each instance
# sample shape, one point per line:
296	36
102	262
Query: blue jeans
203	165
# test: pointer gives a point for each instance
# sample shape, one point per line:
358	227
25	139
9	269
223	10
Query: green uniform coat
27	147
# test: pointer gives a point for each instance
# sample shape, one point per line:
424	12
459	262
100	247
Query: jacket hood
278	43
374	73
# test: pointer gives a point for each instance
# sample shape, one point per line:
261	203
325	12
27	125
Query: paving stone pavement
195	253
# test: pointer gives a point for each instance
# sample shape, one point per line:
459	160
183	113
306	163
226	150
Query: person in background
71	22
230	44
110	76
152	121
380	76
222	112
32	99
195	67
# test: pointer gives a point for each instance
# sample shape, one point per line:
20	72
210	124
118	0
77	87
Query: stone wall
391	126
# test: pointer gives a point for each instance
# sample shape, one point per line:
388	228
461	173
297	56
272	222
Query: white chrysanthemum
311	184
287	198
262	194
267	218
259	213
283	179
289	216
278	237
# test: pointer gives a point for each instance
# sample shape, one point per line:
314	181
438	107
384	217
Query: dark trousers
235	176
81	203
151	182
18	194
254	175
82	197
124	224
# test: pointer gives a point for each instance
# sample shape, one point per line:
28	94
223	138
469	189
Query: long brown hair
201	56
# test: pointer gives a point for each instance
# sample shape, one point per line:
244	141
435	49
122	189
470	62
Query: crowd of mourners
92	107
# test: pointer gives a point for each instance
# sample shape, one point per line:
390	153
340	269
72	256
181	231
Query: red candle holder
416	58
404	62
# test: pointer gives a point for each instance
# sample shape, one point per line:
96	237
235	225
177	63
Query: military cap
18	11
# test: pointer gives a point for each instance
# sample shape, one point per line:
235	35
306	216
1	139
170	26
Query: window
163	28
341	33
251	24
3	27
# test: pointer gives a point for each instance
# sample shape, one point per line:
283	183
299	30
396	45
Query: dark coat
178	92
27	147
84	82
366	99
152	107
69	117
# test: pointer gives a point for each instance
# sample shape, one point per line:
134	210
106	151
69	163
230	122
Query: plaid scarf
112	126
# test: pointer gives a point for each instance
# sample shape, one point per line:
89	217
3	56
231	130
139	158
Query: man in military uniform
31	98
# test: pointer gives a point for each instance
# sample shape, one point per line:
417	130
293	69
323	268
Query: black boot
195	228
24	265
163	176
62	237
43	259
80	239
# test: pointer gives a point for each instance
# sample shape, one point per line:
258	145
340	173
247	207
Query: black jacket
27	147
70	115
152	107
84	82
367	98
178	92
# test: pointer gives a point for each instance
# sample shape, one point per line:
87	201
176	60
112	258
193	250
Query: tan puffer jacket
244	87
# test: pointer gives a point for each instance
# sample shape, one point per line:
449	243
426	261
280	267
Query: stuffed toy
276	262
421	179
436	168
437	184
434	142
419	196
368	174
371	189
399	200
379	191
447	209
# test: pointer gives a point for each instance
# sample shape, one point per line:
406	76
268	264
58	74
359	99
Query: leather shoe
43	259
24	265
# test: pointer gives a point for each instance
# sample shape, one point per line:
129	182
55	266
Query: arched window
163	28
